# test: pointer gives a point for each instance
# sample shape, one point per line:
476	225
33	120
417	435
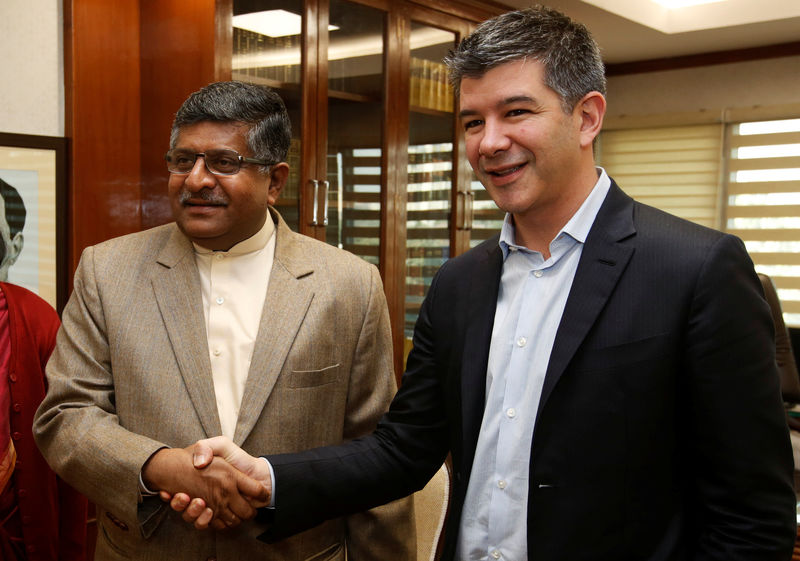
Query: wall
32	94
712	88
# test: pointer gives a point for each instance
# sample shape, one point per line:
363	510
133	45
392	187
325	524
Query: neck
538	227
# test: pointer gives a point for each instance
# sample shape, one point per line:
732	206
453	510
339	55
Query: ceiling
619	26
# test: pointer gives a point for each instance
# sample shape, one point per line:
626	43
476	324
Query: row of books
261	56
429	85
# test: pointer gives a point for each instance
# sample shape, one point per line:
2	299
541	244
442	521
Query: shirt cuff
272	478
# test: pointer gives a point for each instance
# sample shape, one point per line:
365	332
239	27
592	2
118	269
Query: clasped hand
213	482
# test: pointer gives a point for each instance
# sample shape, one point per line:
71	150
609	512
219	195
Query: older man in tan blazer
224	322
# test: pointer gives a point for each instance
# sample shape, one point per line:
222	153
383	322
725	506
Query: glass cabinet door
352	186
430	164
267	50
484	219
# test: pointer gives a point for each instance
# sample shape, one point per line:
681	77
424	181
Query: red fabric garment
12	547
53	515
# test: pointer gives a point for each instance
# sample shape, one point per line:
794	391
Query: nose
493	139
200	178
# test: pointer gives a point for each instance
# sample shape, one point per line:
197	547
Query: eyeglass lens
219	162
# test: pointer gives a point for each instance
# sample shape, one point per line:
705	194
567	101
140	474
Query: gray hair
572	63
270	131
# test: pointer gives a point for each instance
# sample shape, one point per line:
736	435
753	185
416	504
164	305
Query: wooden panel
393	192
474	10
182	44
102	121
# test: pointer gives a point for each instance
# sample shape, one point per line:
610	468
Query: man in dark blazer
603	373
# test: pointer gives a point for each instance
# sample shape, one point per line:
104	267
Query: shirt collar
256	242
577	227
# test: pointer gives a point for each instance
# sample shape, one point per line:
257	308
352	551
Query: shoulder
299	253
25	300
145	241
132	253
30	313
485	255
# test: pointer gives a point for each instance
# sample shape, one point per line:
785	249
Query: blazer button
16	436
17	407
22	493
26	520
31	548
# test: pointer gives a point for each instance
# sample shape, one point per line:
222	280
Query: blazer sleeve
398	458
739	451
76	426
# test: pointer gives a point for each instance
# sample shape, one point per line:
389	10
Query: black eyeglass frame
241	159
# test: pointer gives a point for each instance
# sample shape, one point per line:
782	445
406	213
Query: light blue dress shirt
530	303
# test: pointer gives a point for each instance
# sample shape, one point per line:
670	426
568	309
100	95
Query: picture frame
36	168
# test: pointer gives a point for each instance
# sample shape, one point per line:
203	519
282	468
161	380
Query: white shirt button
511	412
502	483
217	352
496	554
220	299
219	256
522	341
538	274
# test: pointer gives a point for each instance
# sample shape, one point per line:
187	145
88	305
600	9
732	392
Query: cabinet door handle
327	185
469	213
315	208
465	199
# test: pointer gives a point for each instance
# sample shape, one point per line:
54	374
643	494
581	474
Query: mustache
205	195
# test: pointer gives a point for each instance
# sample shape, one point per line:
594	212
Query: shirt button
219	256
217	352
511	413
220	300
538	274
522	341
496	554
502	483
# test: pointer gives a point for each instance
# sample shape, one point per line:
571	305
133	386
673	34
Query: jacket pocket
312	378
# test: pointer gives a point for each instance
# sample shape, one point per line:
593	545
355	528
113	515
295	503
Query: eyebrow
507	101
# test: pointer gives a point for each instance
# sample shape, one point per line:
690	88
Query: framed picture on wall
32	214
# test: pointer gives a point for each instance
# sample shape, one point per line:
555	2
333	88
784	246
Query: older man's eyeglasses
218	162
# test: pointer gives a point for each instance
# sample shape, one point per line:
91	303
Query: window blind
676	169
763	206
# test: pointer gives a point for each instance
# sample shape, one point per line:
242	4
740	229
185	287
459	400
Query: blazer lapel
482	302
179	298
288	299
602	263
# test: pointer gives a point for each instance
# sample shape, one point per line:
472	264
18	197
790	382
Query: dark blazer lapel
602	263
285	307
179	297
482	302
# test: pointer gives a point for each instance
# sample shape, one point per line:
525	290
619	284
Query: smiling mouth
503	173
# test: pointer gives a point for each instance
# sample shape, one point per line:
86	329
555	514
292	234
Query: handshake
212	482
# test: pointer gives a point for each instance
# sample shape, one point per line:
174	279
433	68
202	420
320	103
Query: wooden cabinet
377	158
